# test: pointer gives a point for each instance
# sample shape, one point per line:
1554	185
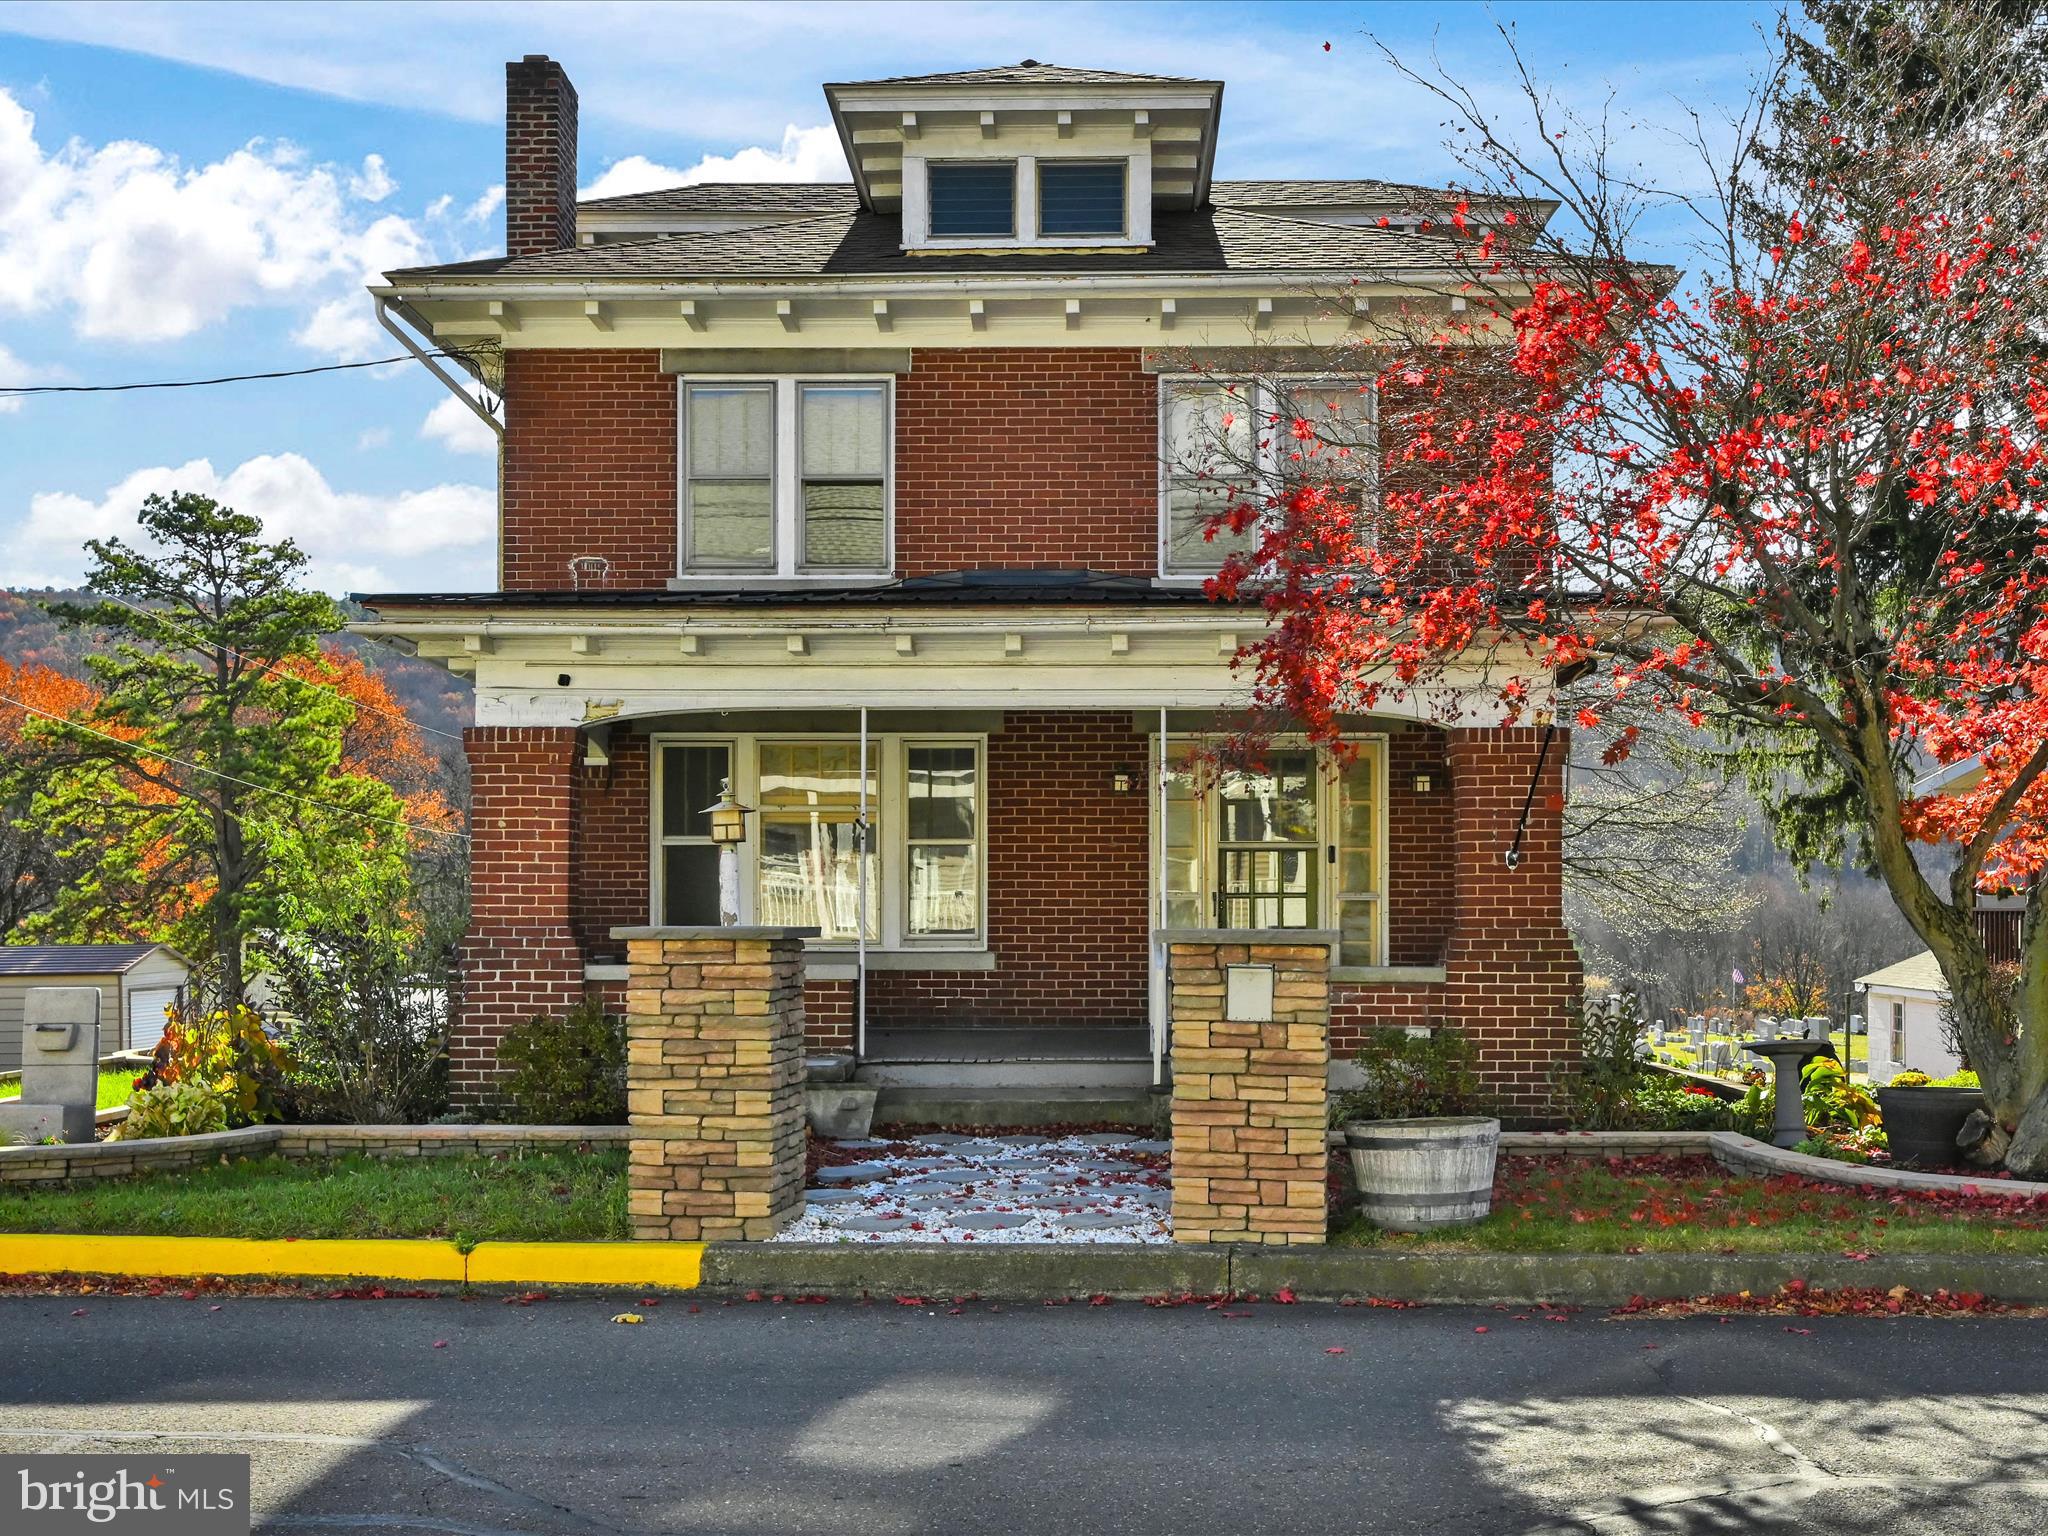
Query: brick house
793	471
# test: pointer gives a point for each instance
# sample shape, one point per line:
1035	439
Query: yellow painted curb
676	1266
369	1258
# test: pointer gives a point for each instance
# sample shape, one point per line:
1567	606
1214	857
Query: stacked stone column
1250	1093
715	1077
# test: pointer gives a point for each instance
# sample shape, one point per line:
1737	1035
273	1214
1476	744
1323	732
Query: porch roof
983	588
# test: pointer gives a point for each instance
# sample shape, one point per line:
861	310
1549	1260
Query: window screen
845	430
975	198
731	499
1076	198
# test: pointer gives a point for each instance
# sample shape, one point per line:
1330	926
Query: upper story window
786	477
1223	442
1081	197
973	198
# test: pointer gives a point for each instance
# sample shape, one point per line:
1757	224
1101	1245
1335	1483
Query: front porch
986	893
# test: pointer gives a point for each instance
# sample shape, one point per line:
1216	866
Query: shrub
227	1052
1830	1100
1660	1102
1412	1076
1910	1079
367	1029
1598	1091
184	1108
1963	1079
567	1069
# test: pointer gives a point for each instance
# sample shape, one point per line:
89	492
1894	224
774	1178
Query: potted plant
1922	1116
1422	1146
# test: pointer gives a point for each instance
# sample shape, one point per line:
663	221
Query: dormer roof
877	119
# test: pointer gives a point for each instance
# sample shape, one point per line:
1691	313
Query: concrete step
1080	1074
983	1057
1052	1106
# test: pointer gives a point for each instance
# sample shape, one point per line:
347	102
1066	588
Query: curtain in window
845	453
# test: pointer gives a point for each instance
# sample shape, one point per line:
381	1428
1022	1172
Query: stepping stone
943	1206
1158	1148
1103	1139
988	1221
1023	1165
920	1164
1018	1141
961	1175
1095	1221
919	1187
852	1173
863	1146
873	1223
942	1139
840	1196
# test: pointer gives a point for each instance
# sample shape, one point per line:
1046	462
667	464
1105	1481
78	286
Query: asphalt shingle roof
1029	72
70	959
866	244
839	196
1921	973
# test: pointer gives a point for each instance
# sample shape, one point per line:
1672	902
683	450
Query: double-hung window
918	876
786	477
1226	443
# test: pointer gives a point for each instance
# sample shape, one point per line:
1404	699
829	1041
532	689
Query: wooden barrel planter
1418	1175
1920	1123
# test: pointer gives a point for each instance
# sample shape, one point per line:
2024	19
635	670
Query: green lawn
544	1196
1683	1056
1692	1204
116	1083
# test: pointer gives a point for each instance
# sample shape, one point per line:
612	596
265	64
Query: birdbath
1788	1127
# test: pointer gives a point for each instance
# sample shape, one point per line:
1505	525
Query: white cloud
485	206
138	246
354	540
373	183
372	437
457	428
807	154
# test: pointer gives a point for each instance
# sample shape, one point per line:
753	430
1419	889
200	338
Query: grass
1693	1205
1684	1056
116	1083
537	1197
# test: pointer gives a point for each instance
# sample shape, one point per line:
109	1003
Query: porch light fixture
728	831
1423	783
1122	781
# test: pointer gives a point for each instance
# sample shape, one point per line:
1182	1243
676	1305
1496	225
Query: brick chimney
540	157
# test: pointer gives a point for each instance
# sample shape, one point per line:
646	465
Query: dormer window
973	198
1081	198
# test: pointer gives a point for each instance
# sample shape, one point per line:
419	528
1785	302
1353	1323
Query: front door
1267	848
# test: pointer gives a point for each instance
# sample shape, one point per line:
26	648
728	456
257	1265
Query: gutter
384	308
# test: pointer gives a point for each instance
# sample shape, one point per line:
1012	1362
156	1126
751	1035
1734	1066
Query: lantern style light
728	817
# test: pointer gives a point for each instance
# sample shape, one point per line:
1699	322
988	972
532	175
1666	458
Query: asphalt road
890	1419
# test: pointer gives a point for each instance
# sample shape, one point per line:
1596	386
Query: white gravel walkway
1101	1187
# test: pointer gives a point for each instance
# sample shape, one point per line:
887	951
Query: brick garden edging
117	1159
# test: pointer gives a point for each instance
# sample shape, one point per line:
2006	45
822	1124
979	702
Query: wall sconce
1423	783
728	831
1122	781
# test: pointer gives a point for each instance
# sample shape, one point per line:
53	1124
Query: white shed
137	983
1902	1004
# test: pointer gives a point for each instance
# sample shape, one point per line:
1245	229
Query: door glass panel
945	893
691	776
1268	851
1185	907
1359	897
689	884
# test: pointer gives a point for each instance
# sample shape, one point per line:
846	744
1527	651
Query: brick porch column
1512	968
715	1080
1251	1052
519	956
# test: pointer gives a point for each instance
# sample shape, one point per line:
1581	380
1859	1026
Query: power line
229	378
307	682
229	778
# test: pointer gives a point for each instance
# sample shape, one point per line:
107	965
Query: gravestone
1766	1029
60	1065
1818	1028
1721	1055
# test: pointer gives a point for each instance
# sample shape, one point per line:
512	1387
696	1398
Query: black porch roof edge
994	588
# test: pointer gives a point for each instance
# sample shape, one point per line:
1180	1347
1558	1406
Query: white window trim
785	487
917	203
889	814
1257	397
1329	794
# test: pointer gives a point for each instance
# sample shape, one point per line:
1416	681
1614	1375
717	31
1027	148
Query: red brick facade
540	157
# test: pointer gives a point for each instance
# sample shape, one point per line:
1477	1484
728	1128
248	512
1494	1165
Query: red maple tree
1795	494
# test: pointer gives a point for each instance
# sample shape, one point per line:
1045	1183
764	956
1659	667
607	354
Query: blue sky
193	189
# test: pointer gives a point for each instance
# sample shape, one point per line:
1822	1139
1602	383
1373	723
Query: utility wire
229	778
305	682
230	378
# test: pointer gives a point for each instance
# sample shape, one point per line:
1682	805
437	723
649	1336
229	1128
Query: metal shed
136	981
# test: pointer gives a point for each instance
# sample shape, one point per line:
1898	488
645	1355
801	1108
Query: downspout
1159	950
860	877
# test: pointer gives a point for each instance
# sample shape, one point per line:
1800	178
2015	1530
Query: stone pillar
715	1080
520	956
1251	1051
